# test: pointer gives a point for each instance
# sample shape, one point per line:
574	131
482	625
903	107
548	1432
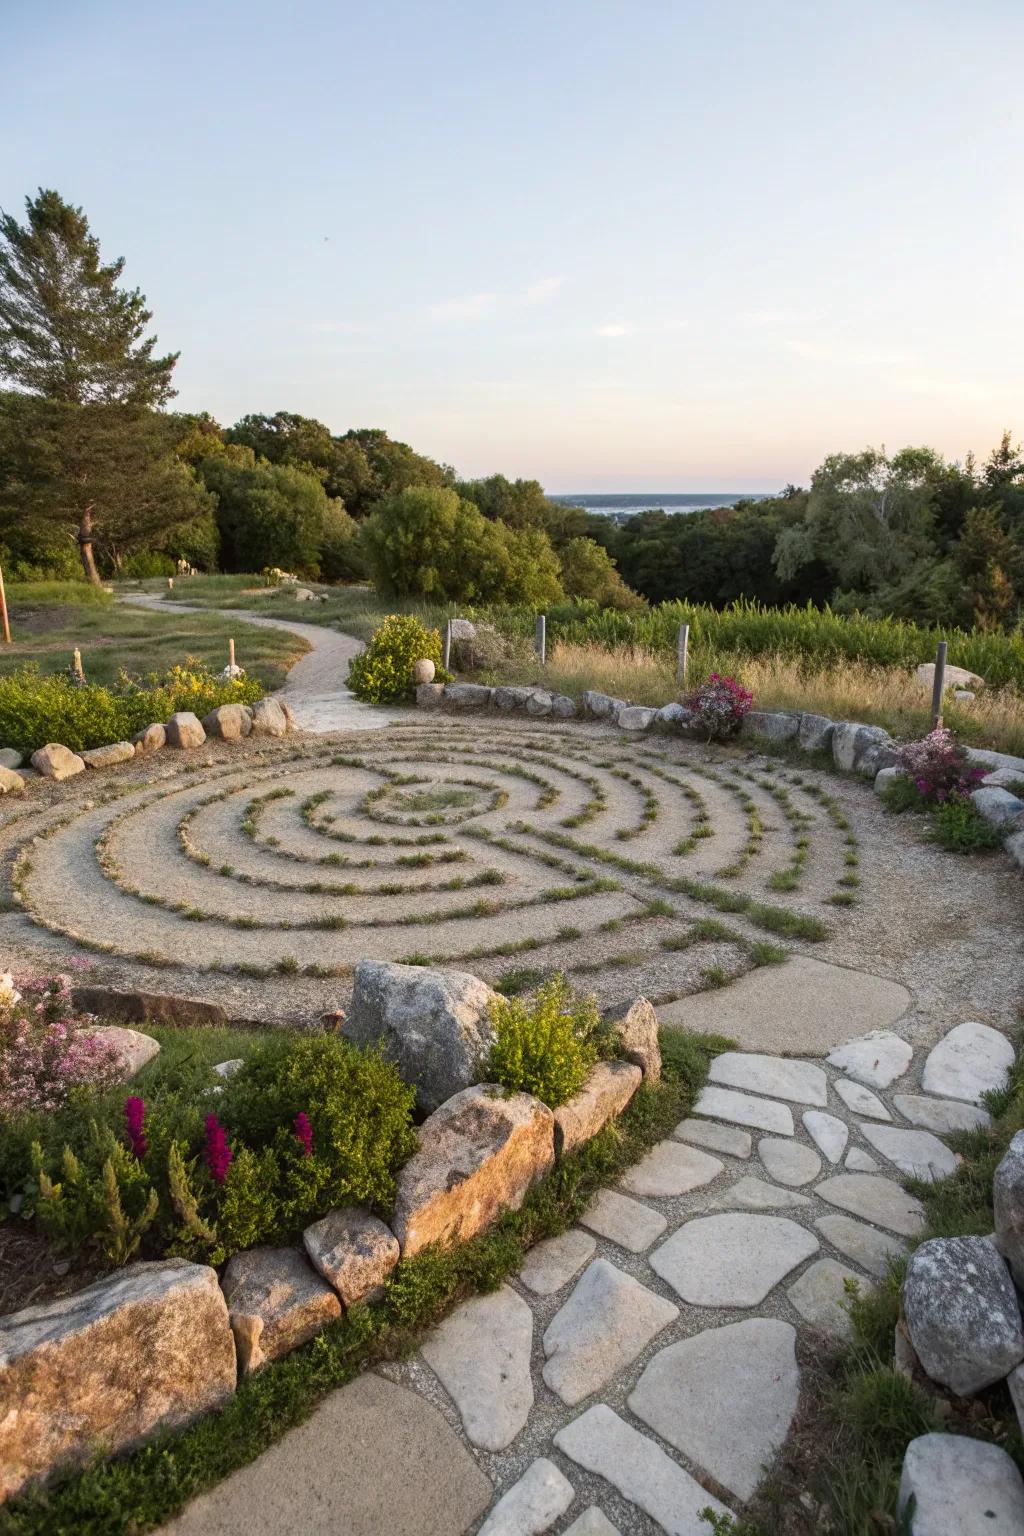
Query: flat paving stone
821	1296
742	1109
875	1199
724	1398
592	1522
732	1260
480	1353
788	1162
717	1138
918	1154
943	1116
641	1471
623	1221
600	1330
961	1487
551	1264
372	1457
671	1168
753	1194
861	1100
775	1076
972	1059
541	1496
862	1244
805	1006
859	1161
876	1059
828	1132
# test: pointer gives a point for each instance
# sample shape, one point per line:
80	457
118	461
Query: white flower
9	995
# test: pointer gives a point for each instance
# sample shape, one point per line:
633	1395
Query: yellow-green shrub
382	674
545	1047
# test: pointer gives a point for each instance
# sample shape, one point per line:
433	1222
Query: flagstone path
644	1366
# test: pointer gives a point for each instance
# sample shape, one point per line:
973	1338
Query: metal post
3	611
541	638
446	653
939	684
684	646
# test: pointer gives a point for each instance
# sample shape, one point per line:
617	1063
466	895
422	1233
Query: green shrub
382	674
545	1048
902	794
959	826
103	1199
146	565
35	709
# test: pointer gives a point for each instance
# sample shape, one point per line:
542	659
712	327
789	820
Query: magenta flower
135	1118
304	1133
217	1153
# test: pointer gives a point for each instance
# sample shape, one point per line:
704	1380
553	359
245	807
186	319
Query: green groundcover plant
545	1047
35	709
382	673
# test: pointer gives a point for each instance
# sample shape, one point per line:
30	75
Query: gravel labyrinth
258	875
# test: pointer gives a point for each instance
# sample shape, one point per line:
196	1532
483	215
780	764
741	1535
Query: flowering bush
938	768
382	674
45	1052
719	705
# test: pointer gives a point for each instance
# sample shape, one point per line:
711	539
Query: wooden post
683	651
446	651
170	583
231	655
76	665
3	611
939	684
541	638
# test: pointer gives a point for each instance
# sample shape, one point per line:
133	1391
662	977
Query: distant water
623	504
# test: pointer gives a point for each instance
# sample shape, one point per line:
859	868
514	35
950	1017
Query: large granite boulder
852	743
435	1025
10	758
539	702
562	707
635	717
151	739
601	705
960	1487
134	1049
354	1251
147	1348
268	718
770	725
11	783
953	677
605	1094
228	722
184	730
673	717
511	696
468	695
638	1031
962	1314
815	733
55	761
275	1303
109	757
478	1155
1008	1199
429	695
998	806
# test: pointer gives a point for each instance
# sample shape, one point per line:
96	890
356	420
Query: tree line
99	473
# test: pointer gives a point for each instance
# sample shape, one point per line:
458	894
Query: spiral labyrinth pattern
655	865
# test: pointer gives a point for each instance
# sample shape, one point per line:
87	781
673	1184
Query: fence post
939	684
541	638
3	611
684	646
446	652
231	657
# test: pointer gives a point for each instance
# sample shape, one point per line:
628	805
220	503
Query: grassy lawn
49	620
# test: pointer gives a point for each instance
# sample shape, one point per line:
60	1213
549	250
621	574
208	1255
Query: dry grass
847	690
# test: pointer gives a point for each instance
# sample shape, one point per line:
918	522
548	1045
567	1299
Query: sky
675	245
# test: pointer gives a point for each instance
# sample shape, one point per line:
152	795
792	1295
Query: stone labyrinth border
548	842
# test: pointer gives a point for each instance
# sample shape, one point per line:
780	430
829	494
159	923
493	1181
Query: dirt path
315	689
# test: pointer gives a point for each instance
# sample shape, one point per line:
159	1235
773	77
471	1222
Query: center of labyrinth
650	866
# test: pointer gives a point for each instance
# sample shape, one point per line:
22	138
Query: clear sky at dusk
639	245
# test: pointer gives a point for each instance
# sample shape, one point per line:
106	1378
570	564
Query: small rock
960	1487
533	1504
226	1069
638	1031
354	1251
553	1262
717	1138
183	730
789	1162
1008	1199
423	671
872	1250
635	718
275	1302
962	1313
228	722
151	739
623	1221
480	1353
109	757
942	1116
918	1154
11	783
822	1296
133	1048
478	1155
875	1059
56	762
886	776
605	1094
874	1199
828	1132
9	758
606	1322
777	1076
540	702
268	718
973	1059
673	717
732	1260
742	1109
861	1100
670	1168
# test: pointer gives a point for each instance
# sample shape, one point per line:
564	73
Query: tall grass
30	594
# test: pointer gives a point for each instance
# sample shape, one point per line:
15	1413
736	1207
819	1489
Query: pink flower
135	1118
304	1133
217	1153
